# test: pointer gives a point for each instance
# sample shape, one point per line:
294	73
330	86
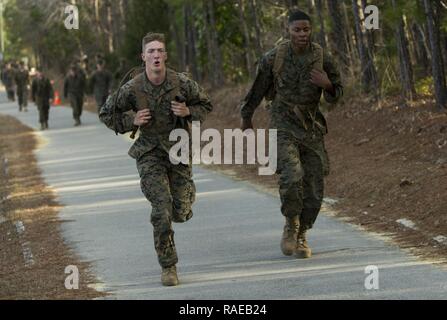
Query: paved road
229	250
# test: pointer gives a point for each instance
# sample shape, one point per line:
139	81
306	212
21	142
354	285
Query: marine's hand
246	124
320	79
180	109
142	117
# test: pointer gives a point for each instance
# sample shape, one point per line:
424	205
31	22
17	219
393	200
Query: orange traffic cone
57	98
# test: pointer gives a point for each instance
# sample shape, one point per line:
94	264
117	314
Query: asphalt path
228	250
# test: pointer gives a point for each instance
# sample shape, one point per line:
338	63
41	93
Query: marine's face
155	56
300	31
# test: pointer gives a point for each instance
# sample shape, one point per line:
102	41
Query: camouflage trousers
100	100
44	109
302	165
22	97
76	102
171	192
10	91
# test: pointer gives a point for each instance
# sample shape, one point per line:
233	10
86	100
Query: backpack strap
174	78
279	58
139	92
278	63
318	53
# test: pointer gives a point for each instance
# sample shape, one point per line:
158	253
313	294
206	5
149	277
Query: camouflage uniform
22	81
294	112
41	93
168	187
101	82
74	88
8	76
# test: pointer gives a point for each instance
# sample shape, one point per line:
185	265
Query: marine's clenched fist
142	117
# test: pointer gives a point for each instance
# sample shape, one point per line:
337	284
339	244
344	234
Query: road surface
228	250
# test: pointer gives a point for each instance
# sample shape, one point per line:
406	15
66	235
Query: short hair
151	36
296	14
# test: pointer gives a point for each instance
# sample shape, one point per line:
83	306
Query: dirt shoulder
390	165
387	165
33	254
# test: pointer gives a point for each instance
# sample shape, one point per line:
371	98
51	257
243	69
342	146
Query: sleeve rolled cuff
194	115
128	122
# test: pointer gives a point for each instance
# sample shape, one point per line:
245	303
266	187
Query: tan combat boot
169	276
289	236
302	248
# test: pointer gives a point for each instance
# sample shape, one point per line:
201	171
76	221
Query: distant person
8	79
74	89
101	83
22	81
42	95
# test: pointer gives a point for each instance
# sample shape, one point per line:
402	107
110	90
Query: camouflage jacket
114	113
8	77
295	104
22	79
41	91
100	82
75	84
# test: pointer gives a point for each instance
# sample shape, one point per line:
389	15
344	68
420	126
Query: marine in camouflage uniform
22	82
74	89
42	95
293	75
8	76
101	83
168	187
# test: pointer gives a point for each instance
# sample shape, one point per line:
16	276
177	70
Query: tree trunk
97	20
109	32
193	39
322	34
420	49
349	37
369	33
406	70
243	23
369	75
190	43
438	37
444	50
213	45
255	7
173	29
339	34
438	72
310	7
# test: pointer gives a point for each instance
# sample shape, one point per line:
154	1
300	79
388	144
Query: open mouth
157	63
